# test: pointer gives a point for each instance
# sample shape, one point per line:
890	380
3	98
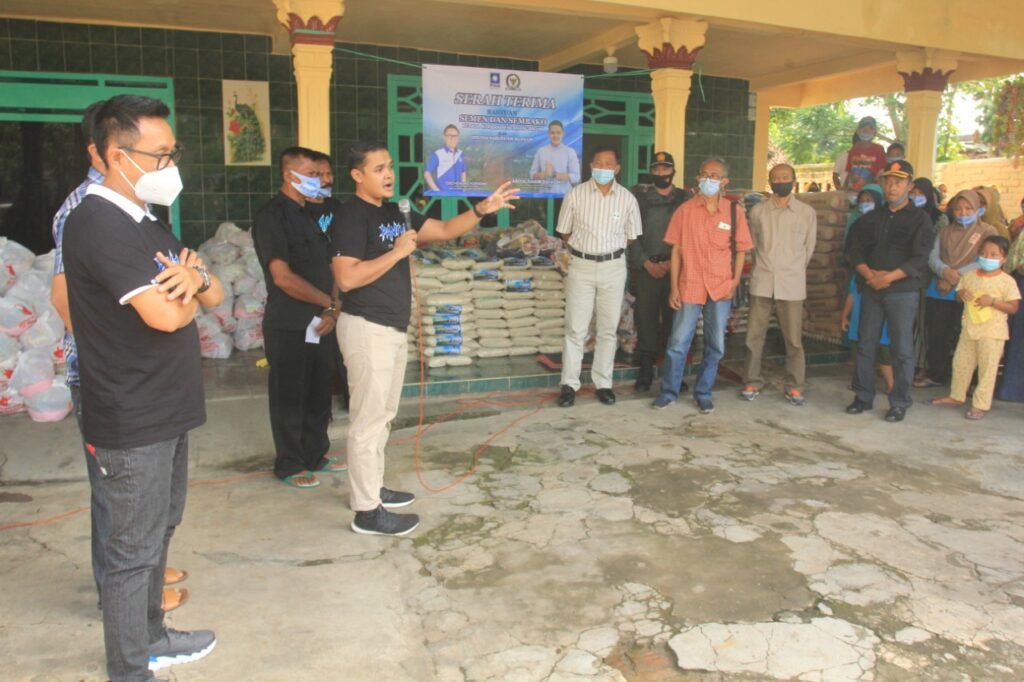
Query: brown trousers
791	321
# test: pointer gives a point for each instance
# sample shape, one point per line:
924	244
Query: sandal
303	479
173	576
333	465
944	401
172	598
926	383
974	414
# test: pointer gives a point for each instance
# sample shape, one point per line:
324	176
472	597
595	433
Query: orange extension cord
518	400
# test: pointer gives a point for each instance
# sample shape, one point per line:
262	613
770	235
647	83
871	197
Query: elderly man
889	248
709	238
784	230
598	219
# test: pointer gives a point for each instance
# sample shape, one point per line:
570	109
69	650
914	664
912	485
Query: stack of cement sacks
473	306
827	274
238	321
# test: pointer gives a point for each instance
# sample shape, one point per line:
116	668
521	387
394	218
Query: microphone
405	207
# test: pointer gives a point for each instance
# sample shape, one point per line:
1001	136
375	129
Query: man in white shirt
598	219
557	163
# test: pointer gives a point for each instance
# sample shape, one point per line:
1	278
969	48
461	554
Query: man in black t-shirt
133	294
372	242
324	208
300	288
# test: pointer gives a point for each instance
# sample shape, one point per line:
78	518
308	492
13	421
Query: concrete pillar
671	46
925	77
761	121
311	25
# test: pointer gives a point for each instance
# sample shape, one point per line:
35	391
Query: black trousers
299	388
653	316
942	324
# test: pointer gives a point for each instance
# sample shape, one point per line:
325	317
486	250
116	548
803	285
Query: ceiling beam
612	39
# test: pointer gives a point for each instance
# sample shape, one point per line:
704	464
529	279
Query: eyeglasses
710	176
162	160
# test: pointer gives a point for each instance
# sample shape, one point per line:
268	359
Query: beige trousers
983	355
375	357
592	287
791	322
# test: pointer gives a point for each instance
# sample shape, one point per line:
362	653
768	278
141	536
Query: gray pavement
596	543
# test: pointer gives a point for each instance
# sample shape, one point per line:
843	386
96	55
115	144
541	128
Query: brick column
671	46
311	25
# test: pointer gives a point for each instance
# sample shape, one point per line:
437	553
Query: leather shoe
642	385
857	406
567	397
895	414
606	396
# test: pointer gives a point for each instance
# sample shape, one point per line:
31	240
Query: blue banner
482	127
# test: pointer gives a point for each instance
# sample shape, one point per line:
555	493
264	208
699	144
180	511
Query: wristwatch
477	212
205	275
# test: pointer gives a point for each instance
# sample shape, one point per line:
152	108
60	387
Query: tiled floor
239	376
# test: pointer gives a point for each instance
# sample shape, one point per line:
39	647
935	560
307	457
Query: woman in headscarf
924	195
869	198
1011	385
1017	226
954	254
992	211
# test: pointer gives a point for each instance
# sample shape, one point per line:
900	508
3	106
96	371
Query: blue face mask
890	159
967	220
325	192
602	176
308	187
988	264
866	207
919	200
709	187
981	211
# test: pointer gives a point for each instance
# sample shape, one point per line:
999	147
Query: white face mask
160	187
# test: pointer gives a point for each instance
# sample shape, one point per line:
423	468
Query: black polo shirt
140	386
888	240
285	230
656	211
365	231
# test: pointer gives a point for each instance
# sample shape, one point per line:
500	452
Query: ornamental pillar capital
926	69
310	22
672	43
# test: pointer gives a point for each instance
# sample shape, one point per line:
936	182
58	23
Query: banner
482	127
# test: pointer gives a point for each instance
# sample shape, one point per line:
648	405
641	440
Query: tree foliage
812	134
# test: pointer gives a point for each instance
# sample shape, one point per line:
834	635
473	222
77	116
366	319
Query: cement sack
547	285
489	303
551	303
494	342
522	350
486	285
486	274
484	323
456	287
490	314
428	284
551	275
549	347
531	340
457	309
457	263
549	295
551	323
458	360
492	353
515	314
548	314
515	264
493	332
455	276
441	298
431	271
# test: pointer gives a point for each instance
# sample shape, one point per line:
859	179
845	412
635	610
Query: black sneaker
567	396
176	647
382	522
393	499
857	406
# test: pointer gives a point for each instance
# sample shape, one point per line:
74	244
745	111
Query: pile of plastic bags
31	333
238	321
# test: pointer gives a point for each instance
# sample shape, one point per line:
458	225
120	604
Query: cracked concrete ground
762	542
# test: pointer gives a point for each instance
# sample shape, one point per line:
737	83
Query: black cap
663	159
900	169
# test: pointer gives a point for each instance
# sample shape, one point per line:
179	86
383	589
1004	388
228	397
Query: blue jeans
900	311
684	326
99	510
145	490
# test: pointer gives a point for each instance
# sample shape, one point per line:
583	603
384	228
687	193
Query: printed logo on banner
495	79
512	81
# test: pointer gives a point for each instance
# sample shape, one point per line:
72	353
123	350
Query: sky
965	112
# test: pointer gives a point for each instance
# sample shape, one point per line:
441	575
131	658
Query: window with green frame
627	116
32	96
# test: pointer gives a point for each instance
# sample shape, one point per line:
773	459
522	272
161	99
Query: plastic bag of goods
34	372
249	334
45	333
15	316
51	404
9	349
32	288
44	263
223	253
217	346
15	260
248	307
11	402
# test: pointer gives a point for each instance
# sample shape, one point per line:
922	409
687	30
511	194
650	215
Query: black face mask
662	181
782	188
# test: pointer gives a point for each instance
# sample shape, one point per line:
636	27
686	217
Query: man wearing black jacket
888	249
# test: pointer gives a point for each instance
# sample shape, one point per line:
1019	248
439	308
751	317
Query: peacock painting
245	127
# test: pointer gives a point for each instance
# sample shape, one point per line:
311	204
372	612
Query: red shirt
863	164
707	254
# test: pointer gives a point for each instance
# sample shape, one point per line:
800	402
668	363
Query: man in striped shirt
598	219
